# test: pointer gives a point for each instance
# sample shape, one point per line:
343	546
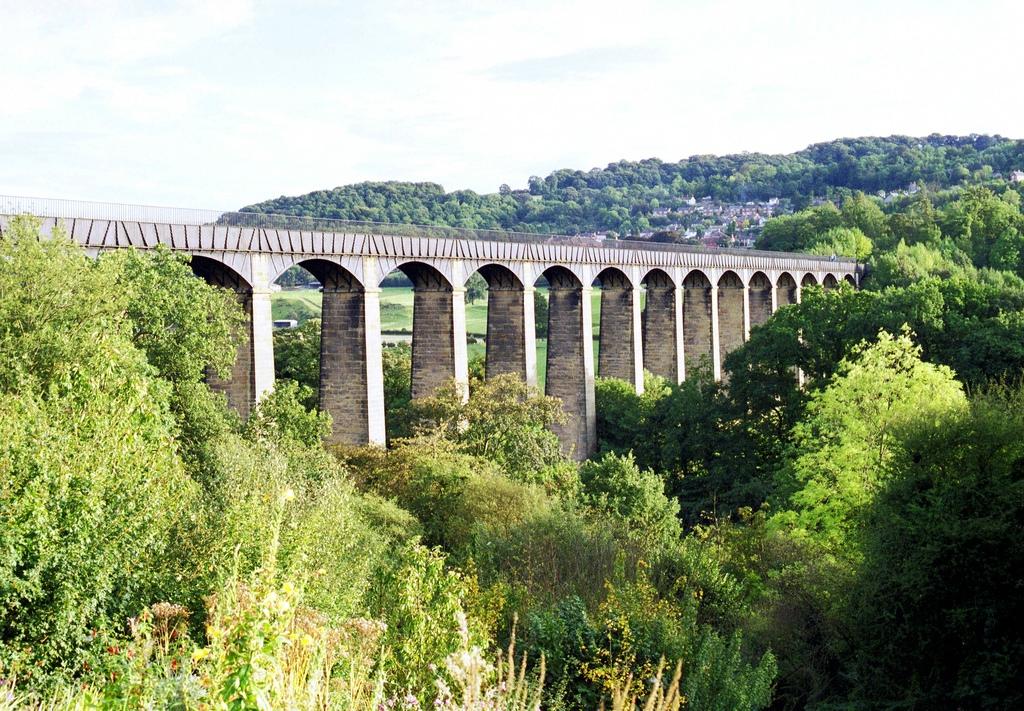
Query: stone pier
785	291
570	360
661	355
438	308
351	381
760	299
732	295
619	355
240	385
511	337
698	331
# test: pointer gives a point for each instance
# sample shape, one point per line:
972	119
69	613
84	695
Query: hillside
626	196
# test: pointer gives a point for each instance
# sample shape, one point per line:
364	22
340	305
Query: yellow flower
307	640
200	654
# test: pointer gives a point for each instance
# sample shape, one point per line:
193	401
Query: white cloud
225	103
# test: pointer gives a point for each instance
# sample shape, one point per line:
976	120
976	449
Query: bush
419	600
504	421
615	486
92	484
624	642
935	611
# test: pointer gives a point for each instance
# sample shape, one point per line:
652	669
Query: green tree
863	213
504	421
848	444
93	486
540	313
934	613
842	242
476	288
616	486
297	357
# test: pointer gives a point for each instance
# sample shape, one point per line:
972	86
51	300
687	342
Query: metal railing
84	209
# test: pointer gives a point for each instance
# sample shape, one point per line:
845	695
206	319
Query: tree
297	357
863	213
540	313
93	485
186	326
504	421
616	486
934	613
849	442
842	242
476	288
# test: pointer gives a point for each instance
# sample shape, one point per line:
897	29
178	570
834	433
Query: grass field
395	308
396	312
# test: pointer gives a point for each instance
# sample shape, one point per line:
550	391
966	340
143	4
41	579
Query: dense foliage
622	196
834	526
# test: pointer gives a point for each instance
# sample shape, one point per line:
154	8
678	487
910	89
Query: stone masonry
659	327
730	314
343	388
566	366
433	344
697	330
506	344
616	354
760	296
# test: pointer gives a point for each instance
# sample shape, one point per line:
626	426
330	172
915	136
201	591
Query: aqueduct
664	307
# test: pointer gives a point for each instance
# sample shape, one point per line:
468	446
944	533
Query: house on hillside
1017	176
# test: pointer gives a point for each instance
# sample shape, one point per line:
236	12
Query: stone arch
569	362
660	347
785	290
347	354
498	276
558	276
698	335
759	295
424	276
731	331
559	271
612	278
240	385
656	276
282	263
509	347
331	275
808	280
850	280
216	272
438	352
441	269
829	282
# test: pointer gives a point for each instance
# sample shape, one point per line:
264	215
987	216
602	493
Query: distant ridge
623	196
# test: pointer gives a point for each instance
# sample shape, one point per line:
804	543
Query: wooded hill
623	196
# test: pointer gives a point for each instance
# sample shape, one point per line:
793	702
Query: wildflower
200	654
288	495
307	640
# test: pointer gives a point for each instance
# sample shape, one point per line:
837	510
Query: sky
223	103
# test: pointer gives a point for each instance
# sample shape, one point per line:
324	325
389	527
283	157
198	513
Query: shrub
92	484
615	486
418	599
504	421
